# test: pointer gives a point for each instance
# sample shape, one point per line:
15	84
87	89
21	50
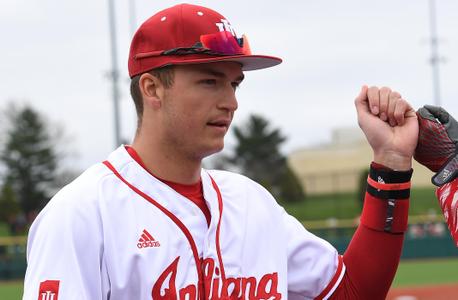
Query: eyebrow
219	74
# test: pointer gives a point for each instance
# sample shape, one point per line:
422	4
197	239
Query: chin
219	147
213	149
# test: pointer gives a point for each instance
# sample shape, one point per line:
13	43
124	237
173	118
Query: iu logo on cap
49	290
225	26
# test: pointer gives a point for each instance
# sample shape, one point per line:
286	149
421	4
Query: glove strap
447	173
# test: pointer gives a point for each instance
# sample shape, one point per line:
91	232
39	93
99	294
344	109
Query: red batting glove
437	146
437	149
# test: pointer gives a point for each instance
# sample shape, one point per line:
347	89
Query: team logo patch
146	240
49	290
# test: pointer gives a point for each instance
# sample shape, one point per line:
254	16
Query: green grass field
3	229
346	206
422	272
11	290
410	273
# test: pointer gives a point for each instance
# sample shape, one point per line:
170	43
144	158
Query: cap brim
248	62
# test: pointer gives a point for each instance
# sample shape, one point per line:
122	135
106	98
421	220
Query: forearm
375	249
371	260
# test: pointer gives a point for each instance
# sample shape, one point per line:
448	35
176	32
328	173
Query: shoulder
67	235
76	202
227	175
241	187
231	178
84	189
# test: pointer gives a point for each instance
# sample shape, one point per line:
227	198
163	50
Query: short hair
164	74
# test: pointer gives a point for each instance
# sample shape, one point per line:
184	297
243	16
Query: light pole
435	58
132	17
114	74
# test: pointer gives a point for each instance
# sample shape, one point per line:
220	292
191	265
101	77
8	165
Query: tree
9	204
362	184
257	155
29	159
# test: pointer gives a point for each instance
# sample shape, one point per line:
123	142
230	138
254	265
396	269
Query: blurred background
65	105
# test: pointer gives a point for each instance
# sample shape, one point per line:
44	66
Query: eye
236	85
208	81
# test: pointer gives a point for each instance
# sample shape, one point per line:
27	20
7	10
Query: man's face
198	109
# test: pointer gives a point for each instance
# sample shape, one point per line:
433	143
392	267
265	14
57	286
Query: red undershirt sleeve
374	252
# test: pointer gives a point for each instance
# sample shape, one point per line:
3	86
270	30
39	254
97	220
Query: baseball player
150	223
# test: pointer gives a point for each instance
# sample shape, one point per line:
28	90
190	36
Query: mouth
221	124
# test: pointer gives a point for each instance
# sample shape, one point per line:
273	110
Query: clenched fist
390	125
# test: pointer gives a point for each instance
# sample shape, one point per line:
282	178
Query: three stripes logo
146	240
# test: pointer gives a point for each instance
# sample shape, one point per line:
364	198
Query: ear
152	90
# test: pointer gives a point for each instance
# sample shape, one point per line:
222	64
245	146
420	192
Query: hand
437	146
437	149
390	125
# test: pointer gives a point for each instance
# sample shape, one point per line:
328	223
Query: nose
229	101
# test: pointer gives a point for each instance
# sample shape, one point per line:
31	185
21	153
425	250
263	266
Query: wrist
386	204
394	161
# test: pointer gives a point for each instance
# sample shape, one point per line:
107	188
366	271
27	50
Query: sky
55	55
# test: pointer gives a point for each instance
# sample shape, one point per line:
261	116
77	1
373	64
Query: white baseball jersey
117	232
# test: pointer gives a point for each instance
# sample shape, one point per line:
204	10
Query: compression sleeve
374	252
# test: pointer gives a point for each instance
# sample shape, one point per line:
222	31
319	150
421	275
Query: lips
221	123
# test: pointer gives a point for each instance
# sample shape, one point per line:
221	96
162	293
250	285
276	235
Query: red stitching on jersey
218	247
172	217
333	281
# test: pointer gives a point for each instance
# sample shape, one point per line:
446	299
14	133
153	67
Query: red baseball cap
190	34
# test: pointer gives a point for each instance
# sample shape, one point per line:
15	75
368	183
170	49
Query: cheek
183	119
188	109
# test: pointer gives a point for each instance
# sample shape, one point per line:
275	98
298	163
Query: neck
165	163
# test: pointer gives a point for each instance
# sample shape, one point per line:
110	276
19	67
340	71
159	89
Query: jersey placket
213	265
177	221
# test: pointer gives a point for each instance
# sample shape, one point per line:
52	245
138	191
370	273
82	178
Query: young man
149	222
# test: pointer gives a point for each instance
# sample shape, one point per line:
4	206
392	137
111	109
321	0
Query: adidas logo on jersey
146	240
